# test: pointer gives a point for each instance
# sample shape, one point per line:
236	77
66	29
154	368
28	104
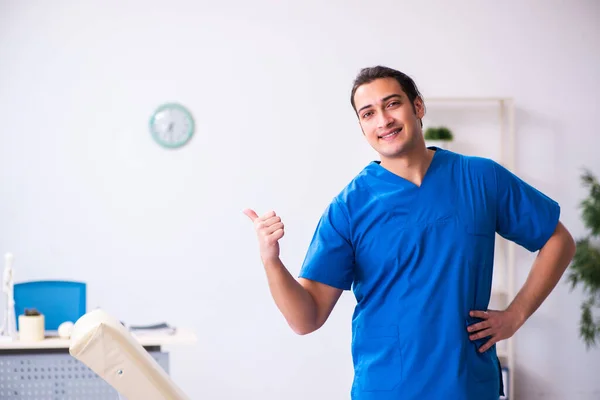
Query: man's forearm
549	266
295	303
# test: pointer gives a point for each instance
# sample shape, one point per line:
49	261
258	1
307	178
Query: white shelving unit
503	290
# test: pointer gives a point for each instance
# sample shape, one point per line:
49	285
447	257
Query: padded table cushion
102	343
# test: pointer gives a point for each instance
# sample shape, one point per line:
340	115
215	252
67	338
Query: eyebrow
386	98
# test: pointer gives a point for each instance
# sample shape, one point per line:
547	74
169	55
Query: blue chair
58	301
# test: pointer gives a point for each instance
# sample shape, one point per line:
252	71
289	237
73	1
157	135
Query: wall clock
172	125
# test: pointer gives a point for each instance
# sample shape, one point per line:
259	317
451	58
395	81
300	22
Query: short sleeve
524	215
330	256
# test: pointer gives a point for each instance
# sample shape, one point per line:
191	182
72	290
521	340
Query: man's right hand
269	229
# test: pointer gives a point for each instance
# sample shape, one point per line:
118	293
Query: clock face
172	125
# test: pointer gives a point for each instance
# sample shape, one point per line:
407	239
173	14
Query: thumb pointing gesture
269	229
251	214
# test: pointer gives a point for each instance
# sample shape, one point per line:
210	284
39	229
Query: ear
419	107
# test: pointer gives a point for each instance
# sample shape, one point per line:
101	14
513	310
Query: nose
385	120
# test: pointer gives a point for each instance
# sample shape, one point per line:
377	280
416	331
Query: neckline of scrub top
391	177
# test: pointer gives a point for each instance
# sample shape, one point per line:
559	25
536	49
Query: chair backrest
58	301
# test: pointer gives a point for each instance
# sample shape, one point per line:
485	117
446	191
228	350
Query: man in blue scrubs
413	236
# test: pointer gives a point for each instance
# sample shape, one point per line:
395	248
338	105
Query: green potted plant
438	136
584	270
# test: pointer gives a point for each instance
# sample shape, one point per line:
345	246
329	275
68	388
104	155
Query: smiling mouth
391	135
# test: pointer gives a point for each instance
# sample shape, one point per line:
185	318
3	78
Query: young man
413	236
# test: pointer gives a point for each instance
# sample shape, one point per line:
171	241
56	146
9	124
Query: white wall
160	234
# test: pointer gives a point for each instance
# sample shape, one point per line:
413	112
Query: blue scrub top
418	259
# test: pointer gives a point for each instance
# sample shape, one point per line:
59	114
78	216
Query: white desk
46	370
150	339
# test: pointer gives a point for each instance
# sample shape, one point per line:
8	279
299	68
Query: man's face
387	118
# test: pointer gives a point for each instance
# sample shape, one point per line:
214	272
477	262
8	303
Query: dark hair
368	75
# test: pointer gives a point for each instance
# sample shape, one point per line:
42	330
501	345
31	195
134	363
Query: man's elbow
303	330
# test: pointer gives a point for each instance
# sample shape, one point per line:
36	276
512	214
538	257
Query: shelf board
468	99
496	292
503	357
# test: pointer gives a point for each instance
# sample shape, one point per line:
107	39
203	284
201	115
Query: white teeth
390	134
